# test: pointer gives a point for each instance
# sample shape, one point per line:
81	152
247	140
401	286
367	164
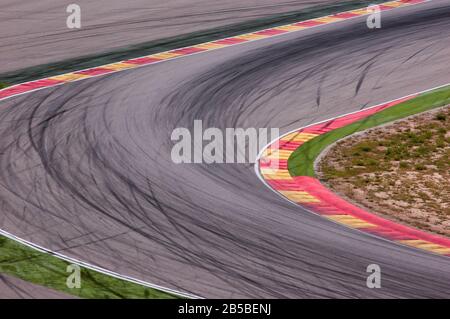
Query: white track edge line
97	268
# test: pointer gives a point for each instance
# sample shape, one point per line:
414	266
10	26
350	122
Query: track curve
35	33
86	168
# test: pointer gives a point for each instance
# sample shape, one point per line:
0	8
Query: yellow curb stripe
210	46
277	177
164	55
300	197
272	171
328	19
298	137
251	36
275	171
393	4
69	77
290	28
360	11
426	245
350	221
120	66
279	174
277	154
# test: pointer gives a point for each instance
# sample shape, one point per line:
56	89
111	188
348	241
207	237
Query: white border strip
96	268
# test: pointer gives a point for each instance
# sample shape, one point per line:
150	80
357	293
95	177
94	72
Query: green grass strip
46	270
301	161
21	261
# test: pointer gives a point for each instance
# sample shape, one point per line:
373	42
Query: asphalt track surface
86	169
35	32
14	288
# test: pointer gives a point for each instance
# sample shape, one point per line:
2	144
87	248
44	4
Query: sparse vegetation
401	170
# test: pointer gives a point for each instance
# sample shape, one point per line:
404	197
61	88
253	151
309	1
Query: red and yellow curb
309	193
208	46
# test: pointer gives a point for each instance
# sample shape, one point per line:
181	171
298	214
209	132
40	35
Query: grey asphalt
86	169
35	32
14	288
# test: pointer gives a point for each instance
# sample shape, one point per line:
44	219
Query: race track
14	288
35	32
86	167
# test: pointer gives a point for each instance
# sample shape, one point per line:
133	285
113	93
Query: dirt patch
400	171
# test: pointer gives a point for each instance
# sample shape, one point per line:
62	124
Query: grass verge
301	161
43	269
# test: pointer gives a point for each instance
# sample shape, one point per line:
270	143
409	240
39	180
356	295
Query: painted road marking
278	154
278	175
298	137
290	27
329	19
210	46
350	221
166	55
422	244
120	66
300	197
69	77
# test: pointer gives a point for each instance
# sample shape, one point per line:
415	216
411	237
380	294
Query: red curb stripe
388	233
284	185
143	61
230	41
9	92
412	1
317	129
186	51
290	145
324	209
316	189
29	86
280	164
383	8
351	118
13	91
42	83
